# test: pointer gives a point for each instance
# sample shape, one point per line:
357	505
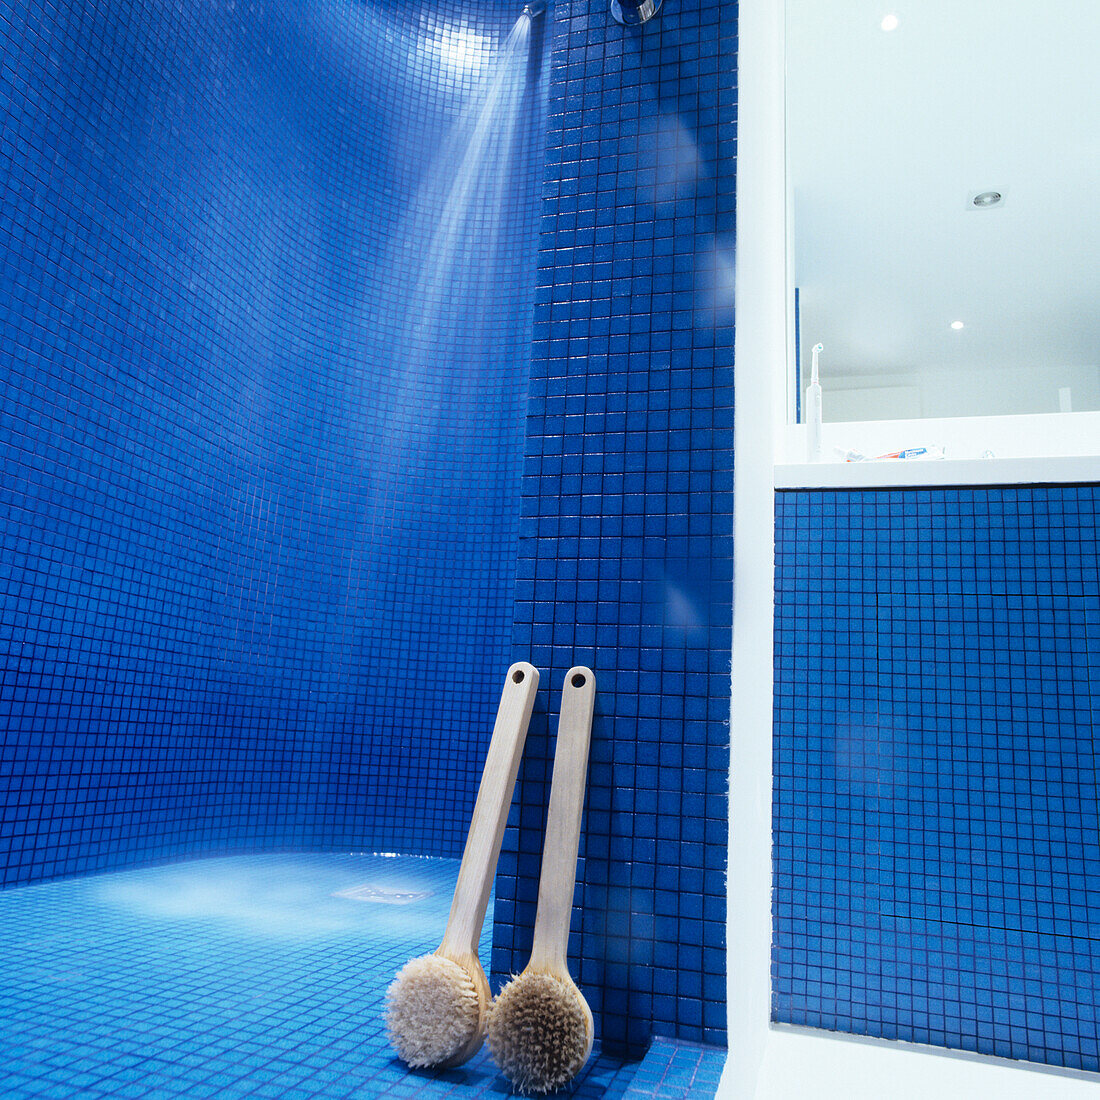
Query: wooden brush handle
494	797
550	946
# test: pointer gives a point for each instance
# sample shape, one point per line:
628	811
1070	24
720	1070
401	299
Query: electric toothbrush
813	408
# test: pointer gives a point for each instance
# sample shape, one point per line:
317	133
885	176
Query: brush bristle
431	1011
538	1032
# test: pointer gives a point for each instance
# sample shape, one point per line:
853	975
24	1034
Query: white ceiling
888	133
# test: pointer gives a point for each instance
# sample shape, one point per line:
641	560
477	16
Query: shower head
533	8
632	12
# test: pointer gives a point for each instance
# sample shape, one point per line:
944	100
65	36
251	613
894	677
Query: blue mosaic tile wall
625	559
937	660
261	432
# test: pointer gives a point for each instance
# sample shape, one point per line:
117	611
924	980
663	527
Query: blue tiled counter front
937	857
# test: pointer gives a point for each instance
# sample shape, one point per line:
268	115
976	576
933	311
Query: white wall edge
975	471
760	358
768	1062
804	1064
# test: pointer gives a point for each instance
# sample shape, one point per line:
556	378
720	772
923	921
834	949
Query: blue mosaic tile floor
258	976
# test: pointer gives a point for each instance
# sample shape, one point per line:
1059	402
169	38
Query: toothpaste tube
911	452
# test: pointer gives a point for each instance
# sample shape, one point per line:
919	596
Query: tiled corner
267	466
625	545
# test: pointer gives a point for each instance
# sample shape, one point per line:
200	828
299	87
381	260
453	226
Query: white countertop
1032	449
915	472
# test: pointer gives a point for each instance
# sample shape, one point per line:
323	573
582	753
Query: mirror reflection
943	164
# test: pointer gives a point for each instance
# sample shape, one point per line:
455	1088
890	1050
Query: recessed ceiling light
889	23
983	200
956	325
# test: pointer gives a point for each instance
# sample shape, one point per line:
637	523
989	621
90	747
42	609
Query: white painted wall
760	414
947	392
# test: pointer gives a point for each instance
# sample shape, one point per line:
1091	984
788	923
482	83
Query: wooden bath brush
541	1030
437	1007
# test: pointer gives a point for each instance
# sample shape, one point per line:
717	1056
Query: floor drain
382	894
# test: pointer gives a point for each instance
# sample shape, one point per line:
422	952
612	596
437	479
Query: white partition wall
769	1062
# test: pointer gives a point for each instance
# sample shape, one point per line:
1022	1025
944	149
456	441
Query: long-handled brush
541	1030
437	1007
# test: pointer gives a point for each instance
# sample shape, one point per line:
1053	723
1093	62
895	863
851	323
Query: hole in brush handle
517	676
579	680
